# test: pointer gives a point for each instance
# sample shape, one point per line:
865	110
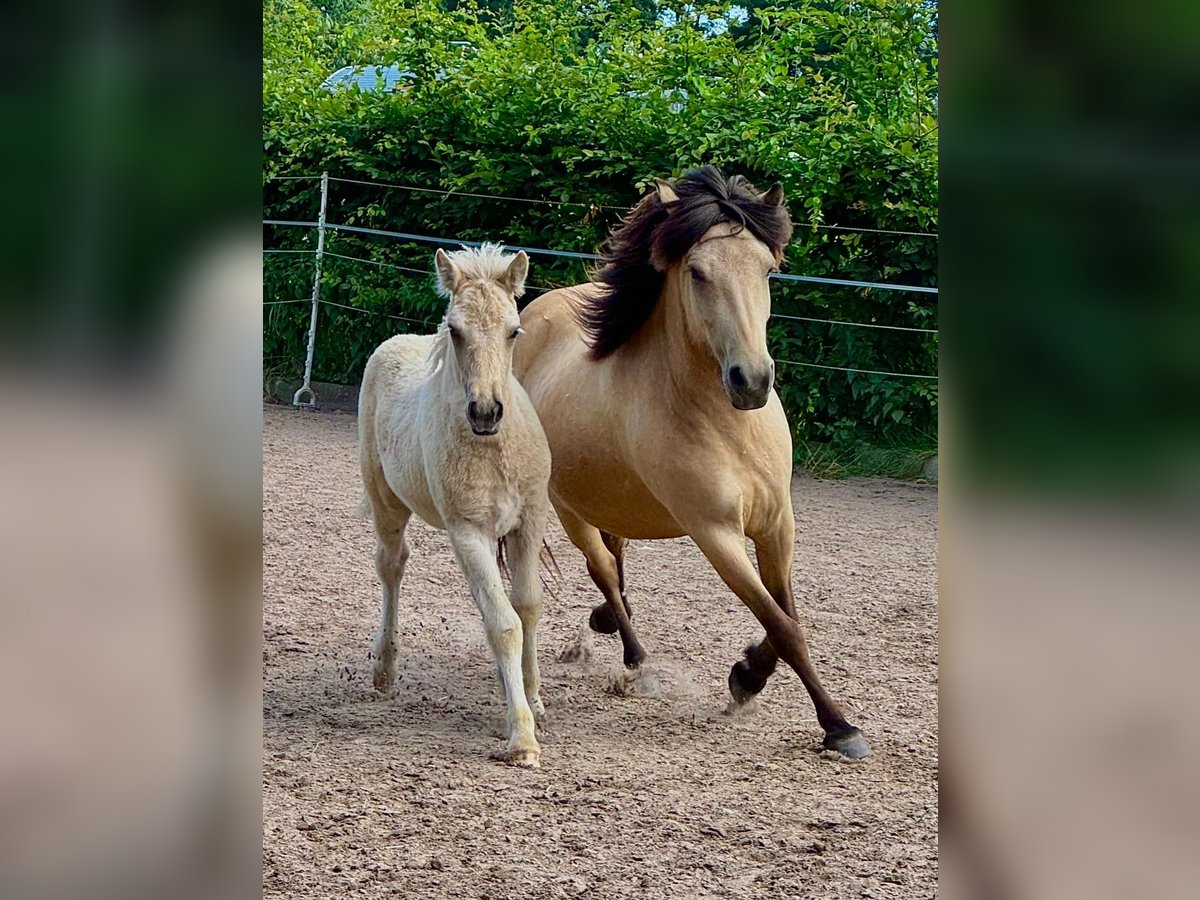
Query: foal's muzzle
747	388
484	416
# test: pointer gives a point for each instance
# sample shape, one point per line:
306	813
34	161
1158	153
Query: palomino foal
446	432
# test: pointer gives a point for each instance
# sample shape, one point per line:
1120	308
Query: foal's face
726	292
483	325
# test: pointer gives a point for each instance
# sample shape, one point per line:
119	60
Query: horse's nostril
737	379
499	410
473	410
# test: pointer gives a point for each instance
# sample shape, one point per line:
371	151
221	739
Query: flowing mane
652	238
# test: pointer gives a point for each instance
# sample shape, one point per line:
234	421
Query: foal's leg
524	546
602	566
726	550
476	554
602	619
391	554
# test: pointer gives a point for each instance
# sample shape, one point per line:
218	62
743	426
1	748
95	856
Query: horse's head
482	324
722	281
709	243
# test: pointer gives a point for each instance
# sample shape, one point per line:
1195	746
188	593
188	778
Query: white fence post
306	388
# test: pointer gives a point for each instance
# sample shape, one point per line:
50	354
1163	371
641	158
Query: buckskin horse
655	390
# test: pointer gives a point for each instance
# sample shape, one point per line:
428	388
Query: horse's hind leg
391	554
602	619
602	566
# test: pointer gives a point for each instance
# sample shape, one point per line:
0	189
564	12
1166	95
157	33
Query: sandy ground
655	793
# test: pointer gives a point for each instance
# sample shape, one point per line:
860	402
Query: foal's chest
489	493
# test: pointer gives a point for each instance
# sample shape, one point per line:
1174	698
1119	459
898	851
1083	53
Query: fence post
316	300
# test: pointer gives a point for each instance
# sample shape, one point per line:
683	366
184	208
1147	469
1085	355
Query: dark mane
651	238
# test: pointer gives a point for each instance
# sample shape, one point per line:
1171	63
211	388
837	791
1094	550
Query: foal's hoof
602	620
745	683
850	744
383	677
525	758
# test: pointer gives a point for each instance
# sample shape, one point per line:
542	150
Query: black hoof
602	620
850	744
635	659
745	683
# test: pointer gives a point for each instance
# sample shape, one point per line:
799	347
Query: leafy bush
584	107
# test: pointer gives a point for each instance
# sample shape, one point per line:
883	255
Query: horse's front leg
476	554
523	546
725	547
774	548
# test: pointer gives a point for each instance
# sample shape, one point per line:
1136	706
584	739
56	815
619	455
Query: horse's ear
447	273
773	197
666	193
514	277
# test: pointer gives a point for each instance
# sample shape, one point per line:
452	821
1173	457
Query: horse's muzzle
484	418
749	390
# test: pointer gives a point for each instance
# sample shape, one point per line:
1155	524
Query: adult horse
654	387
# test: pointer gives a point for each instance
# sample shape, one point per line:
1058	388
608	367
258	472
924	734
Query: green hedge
835	100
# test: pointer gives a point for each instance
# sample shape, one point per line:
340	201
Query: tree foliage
585	105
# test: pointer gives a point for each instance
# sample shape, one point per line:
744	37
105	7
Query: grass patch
863	460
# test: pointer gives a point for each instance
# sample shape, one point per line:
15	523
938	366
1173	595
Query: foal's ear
773	197
447	273
666	193
514	277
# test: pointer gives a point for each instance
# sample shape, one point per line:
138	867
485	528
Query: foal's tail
547	565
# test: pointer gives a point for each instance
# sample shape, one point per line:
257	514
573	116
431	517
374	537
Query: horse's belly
609	496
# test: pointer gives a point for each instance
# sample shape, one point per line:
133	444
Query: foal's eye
516	331
774	270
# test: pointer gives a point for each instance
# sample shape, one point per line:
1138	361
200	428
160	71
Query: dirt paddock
647	789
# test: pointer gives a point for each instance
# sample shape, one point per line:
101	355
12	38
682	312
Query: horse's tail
363	510
547	554
545	569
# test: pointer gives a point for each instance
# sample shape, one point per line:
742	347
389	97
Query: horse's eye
453	332
516	331
774	270
697	275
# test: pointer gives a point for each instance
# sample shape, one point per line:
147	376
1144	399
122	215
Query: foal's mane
488	262
651	234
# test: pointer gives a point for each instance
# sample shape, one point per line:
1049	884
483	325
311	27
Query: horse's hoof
635	659
537	706
744	682
383	677
850	744
525	758
602	620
